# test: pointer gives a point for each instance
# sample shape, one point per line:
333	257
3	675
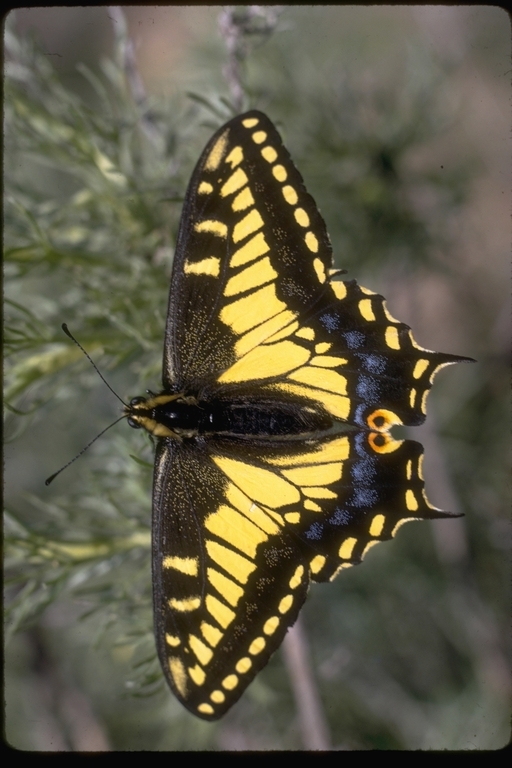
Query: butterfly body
275	463
186	417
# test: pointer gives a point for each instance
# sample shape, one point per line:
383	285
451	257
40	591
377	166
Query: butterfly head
163	415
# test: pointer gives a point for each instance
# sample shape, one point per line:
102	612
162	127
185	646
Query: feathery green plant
93	190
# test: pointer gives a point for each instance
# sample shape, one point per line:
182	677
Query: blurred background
398	118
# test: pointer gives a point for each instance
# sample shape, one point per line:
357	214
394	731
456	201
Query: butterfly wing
252	307
241	530
220	572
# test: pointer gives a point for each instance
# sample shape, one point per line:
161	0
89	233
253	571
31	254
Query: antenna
52	477
68	333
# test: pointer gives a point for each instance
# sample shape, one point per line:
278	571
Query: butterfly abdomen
264	420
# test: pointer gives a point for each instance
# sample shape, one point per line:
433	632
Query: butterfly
275	465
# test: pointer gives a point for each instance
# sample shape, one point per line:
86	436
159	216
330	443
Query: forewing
239	235
240	531
227	583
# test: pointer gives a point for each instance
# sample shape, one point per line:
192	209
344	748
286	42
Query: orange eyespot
381	442
378	441
381	420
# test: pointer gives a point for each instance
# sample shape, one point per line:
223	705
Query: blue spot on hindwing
364	497
368	389
363	472
329	321
359	415
373	363
341	517
315	531
360	443
354	339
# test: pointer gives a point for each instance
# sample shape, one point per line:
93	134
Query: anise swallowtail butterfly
256	494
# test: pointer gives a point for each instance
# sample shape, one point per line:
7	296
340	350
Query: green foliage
402	646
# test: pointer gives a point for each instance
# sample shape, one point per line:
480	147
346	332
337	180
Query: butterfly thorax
179	415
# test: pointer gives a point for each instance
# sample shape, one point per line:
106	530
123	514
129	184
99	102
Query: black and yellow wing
242	522
252	308
241	530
